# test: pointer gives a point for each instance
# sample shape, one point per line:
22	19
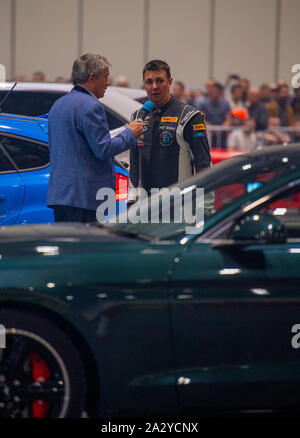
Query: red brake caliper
40	373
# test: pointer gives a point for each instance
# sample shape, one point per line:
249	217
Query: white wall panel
46	37
289	38
245	39
5	40
115	30
179	34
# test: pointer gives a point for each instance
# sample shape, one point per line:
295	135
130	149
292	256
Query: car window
36	103
26	154
286	209
226	192
5	164
29	103
113	120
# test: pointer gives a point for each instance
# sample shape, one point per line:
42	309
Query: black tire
39	365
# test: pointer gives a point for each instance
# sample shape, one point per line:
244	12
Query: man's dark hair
218	86
157	64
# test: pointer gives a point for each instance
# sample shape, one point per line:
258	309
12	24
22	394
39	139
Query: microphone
145	110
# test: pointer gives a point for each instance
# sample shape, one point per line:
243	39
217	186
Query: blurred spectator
196	93
237	117
281	107
62	80
245	84
209	83
122	81
296	108
282	82
257	110
265	93
178	91
273	135
21	78
192	95
243	139
296	134
215	109
297	92
232	79
38	76
235	100
273	92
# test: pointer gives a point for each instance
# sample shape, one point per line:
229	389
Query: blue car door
11	190
31	157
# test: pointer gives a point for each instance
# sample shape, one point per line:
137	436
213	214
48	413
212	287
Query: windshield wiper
6	96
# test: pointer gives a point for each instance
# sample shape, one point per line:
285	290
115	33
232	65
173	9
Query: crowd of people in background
39	76
239	117
242	118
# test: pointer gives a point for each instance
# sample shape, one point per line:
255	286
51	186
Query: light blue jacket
81	150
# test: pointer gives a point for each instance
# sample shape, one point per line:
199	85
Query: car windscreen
29	103
114	121
36	103
222	189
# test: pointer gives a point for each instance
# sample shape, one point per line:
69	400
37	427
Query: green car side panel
120	297
232	313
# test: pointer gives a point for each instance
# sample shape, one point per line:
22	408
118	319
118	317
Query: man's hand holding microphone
137	126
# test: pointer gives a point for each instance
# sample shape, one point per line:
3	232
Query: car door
11	189
32	160
234	309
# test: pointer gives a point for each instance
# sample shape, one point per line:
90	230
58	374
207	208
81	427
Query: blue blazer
81	150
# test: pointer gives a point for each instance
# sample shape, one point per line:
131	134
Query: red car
235	190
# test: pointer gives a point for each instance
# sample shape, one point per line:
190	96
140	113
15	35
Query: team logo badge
200	134
165	138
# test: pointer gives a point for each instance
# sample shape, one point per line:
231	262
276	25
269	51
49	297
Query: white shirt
240	141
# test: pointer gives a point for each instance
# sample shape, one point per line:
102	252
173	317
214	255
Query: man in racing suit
174	142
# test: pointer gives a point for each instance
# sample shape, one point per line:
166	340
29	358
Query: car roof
286	153
133	93
29	127
115	98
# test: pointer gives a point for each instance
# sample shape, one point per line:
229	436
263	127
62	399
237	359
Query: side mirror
263	227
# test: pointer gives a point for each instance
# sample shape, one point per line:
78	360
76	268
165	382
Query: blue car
25	168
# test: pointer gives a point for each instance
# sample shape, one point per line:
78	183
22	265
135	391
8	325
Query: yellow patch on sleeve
199	127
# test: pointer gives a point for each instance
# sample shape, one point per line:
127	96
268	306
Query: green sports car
156	318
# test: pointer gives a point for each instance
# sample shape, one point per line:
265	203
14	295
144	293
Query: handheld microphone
146	109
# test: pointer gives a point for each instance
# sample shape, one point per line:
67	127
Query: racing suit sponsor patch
200	134
199	127
166	138
169	119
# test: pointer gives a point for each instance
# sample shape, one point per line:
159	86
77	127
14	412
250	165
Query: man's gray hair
86	64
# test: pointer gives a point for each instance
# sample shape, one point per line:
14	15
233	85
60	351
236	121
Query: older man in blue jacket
81	149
